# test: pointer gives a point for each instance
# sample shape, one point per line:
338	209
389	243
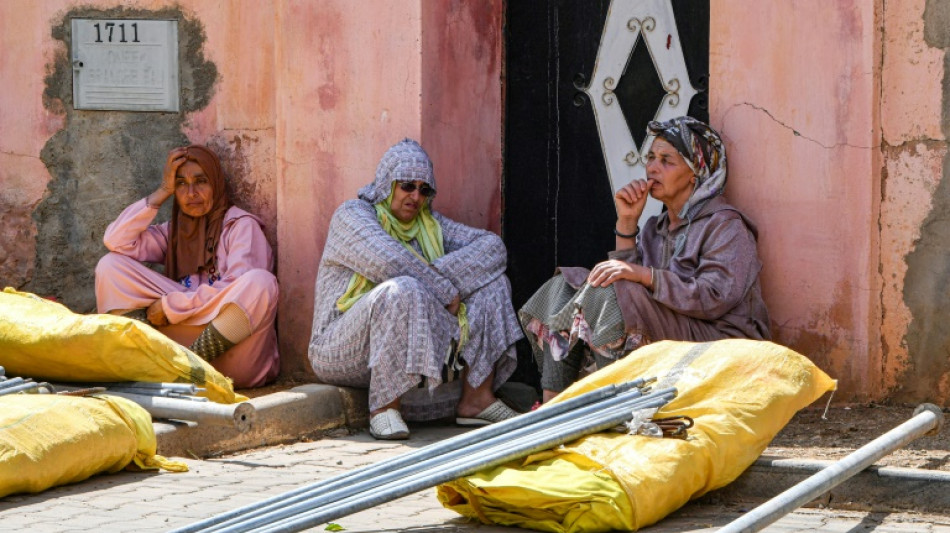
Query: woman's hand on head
176	158
631	199
156	314
604	274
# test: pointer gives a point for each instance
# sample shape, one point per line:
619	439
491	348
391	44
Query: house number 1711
110	30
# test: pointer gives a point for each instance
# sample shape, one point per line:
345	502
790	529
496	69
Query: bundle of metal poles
21	385
441	462
184	391
174	401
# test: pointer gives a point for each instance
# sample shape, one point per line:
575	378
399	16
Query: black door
558	207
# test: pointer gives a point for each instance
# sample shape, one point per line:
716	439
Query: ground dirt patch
841	430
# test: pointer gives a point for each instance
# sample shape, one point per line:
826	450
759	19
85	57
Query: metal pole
11	382
25	387
237	415
927	419
465	465
323	495
437	449
189	388
144	392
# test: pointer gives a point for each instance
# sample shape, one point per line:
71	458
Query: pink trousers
124	283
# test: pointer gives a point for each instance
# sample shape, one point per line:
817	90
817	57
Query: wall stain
102	161
926	287
827	338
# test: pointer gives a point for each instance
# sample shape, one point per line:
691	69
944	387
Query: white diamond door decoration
630	22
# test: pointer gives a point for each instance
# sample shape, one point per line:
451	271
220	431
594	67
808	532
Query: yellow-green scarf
427	232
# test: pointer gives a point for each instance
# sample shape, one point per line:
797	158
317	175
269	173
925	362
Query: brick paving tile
146	502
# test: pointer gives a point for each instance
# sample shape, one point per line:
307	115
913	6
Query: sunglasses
410	187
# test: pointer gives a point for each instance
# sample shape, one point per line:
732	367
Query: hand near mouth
631	199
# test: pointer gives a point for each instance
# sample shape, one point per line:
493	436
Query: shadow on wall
103	161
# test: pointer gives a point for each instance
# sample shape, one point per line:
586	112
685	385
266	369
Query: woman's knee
111	263
402	288
261	283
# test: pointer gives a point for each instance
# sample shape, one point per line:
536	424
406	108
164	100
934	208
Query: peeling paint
926	293
926	290
242	152
911	176
102	161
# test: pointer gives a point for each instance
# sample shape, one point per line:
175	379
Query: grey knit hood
404	161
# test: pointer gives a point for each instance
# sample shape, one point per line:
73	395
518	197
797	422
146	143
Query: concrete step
302	412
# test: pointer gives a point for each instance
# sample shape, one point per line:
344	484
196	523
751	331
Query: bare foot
475	399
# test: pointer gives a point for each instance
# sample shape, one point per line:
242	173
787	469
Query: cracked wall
102	161
917	264
66	180
798	112
305	98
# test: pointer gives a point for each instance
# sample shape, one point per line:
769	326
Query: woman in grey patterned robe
387	308
692	274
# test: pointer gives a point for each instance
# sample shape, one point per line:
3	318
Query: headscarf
193	241
405	161
704	153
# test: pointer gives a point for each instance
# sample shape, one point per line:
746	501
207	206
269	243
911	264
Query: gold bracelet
652	276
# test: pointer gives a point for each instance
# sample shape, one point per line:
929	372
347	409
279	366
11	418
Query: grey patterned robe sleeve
727	266
360	244
473	257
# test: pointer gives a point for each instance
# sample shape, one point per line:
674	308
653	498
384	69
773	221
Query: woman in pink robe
218	294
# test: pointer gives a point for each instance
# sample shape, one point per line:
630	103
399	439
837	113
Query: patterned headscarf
405	161
703	151
193	241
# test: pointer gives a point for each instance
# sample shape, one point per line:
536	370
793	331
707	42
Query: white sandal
496	412
388	425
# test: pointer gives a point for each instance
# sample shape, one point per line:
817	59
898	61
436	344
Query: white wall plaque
125	65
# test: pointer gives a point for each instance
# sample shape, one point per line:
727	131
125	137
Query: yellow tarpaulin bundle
48	440
44	340
740	394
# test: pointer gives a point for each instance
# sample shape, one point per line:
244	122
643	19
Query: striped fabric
398	336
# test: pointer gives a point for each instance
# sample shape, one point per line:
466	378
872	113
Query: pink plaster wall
798	110
310	94
25	126
308	97
355	78
349	82
240	120
461	107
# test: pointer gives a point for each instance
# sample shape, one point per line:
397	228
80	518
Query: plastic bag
739	393
48	440
44	340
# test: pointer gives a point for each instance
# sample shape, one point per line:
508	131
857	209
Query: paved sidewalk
142	502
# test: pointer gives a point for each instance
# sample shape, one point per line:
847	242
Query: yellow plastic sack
48	440
740	394
44	340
